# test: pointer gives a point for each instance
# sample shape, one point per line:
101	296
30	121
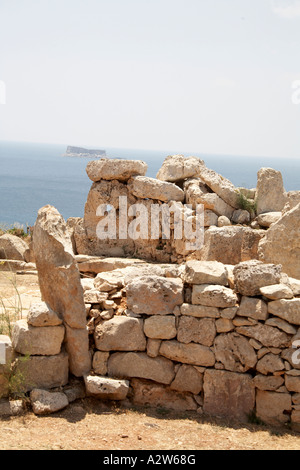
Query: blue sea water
33	175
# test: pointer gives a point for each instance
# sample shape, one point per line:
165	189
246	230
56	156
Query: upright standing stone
60	285
270	193
281	245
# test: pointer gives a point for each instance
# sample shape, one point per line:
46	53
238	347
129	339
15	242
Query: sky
206	76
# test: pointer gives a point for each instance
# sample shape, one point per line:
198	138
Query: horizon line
168	152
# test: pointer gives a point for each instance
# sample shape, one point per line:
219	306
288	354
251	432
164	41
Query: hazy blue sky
210	76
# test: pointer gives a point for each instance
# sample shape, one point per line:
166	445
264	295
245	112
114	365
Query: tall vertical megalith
60	285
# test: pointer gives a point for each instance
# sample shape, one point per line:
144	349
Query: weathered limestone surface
265	334
199	311
145	393
160	327
270	193
60	284
281	244
268	218
197	193
241	216
115	169
228	394
44	402
273	408
250	276
41	315
293	199
205	272
269	364
220	185
241	244
213	296
35	341
11	407
154	295
12	247
277	291
106	388
100	359
253	307
120	334
140	365
45	371
59	277
188	379
144	187
268	382
177	168
287	309
196	330
95	264
234	352
195	354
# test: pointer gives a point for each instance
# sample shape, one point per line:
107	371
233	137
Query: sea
35	174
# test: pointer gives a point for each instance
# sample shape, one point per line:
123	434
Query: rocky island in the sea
82	152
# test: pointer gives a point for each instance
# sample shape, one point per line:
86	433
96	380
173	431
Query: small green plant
244	203
14	229
14	374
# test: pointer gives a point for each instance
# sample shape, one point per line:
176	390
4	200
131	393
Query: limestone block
228	394
45	402
160	327
192	353
157	395
115	169
178	168
250	276
196	330
213	296
140	365
40	314
144	187
106	388
42	341
205	272
272	407
120	333
154	295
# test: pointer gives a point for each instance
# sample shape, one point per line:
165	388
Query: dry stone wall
238	218
217	339
215	332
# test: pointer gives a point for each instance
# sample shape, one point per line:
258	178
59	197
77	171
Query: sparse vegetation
14	374
10	309
14	229
247	204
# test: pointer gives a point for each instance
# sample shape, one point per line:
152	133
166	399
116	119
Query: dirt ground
92	424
